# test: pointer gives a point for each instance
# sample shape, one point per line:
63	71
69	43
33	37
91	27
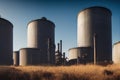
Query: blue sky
62	12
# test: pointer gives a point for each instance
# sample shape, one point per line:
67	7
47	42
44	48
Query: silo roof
42	19
117	43
97	7
6	21
78	48
29	49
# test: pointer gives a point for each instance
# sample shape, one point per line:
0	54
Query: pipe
58	48
94	39
49	50
61	46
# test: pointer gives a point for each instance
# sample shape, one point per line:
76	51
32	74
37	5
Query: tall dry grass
78	72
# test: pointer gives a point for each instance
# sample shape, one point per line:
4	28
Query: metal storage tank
30	56
6	42
96	20
16	58
116	53
41	35
80	55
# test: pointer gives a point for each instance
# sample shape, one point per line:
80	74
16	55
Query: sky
62	12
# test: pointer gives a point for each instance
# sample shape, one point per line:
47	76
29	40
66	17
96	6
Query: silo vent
44	18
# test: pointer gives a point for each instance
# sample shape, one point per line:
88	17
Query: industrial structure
31	56
116	53
40	43
78	55
59	56
94	23
16	58
6	42
94	41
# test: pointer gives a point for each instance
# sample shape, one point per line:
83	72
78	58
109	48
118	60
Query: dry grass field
78	72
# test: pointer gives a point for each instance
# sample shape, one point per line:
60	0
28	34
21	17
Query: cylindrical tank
16	58
80	55
30	56
41	35
116	53
96	20
6	42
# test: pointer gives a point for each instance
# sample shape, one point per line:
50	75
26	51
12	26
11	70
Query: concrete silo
30	56
79	55
6	42
96	20
41	35
16	58
116	53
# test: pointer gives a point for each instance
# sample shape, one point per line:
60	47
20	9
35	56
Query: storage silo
6	42
116	53
96	20
30	56
16	58
80	55
41	35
